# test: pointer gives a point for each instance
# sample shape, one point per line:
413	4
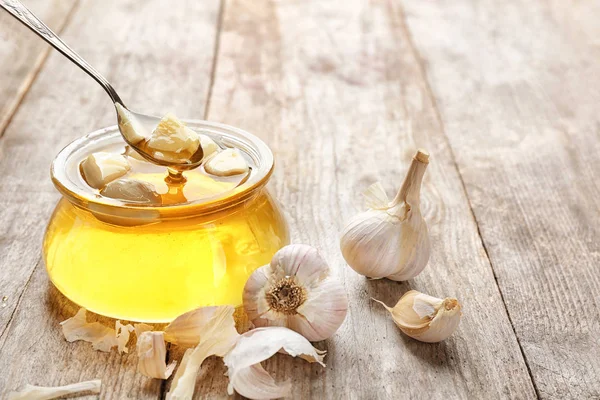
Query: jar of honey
151	262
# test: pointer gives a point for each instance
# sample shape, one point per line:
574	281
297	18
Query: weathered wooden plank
332	90
518	89
159	56
22	54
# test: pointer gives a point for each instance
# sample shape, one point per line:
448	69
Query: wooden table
505	96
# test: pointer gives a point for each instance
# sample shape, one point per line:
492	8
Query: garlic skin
296	290
247	376
426	318
390	240
102	167
227	163
152	352
31	392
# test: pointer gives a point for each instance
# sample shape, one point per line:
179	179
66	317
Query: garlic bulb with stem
426	318
296	290
390	240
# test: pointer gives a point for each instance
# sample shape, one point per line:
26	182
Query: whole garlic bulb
297	291
426	318
390	240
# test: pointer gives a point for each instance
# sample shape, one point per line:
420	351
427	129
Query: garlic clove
247	377
30	392
390	240
172	136
100	168
132	191
426	318
131	153
296	290
129	125
208	145
217	336
152	353
226	163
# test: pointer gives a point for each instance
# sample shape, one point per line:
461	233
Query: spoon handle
20	12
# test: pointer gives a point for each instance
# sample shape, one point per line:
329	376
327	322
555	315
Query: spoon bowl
27	18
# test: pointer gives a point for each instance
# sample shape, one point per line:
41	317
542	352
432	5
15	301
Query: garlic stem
410	192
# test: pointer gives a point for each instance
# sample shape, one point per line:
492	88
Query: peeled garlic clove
208	145
172	136
226	163
426	318
131	190
131	153
102	167
216	336
129	125
296	290
390	240
246	375
152	353
30	392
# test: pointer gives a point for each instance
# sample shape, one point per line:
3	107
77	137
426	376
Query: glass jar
153	263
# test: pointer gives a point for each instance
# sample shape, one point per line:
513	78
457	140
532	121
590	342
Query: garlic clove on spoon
226	163
426	318
208	145
173	136
296	290
390	239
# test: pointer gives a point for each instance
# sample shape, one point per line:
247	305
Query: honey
153	263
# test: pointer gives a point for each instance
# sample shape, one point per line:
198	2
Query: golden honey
153	263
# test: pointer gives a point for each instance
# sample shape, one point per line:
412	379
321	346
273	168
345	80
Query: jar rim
67	179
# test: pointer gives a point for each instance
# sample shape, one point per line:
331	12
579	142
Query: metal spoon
180	163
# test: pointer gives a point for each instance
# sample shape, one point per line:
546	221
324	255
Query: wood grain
333	90
518	89
159	58
22	54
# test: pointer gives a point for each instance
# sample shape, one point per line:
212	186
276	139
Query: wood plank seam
14	312
423	72
215	56
31	78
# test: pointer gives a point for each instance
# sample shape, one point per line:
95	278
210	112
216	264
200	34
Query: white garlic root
152	351
296	290
30	392
227	163
426	318
248	378
390	240
102	167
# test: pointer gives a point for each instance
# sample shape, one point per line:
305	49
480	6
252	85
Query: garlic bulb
390	240
296	290
426	318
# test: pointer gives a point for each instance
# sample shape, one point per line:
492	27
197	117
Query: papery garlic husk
30	392
152	352
390	240
247	376
77	328
296	290
215	334
426	318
